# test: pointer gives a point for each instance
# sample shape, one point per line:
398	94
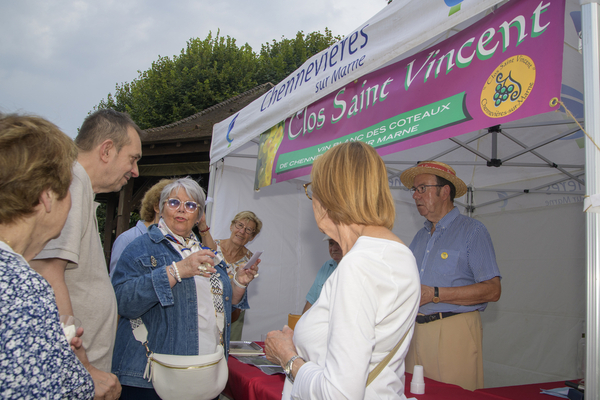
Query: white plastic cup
417	385
70	324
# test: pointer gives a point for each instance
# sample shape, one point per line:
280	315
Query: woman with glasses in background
155	279
244	228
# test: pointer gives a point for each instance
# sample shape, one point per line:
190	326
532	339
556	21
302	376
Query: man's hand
106	385
426	294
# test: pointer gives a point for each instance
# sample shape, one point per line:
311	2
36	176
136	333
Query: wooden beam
124	208
162	149
109	225
139	194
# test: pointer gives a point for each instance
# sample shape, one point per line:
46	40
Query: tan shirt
92	295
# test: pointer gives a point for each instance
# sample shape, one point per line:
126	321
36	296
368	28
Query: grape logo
231	124
454	6
508	87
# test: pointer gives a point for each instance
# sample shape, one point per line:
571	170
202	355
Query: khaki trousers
450	350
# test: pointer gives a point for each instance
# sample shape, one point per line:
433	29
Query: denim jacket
170	314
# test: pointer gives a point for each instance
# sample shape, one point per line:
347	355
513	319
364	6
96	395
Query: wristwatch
436	295
288	367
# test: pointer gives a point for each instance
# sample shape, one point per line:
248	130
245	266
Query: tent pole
470	201
211	191
591	73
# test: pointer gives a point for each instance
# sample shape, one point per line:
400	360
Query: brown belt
423	319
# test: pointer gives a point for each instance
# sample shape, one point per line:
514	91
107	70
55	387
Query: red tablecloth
247	382
522	392
437	390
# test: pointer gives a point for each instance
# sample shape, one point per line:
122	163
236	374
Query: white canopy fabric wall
532	334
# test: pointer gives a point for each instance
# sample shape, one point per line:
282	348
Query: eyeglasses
189	206
240	226
422	188
307	190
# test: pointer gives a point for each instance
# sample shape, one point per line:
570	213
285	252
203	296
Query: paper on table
254	360
261	362
558	392
245	348
271	369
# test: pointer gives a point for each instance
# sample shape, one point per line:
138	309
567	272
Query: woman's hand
245	276
77	342
199	263
202	223
279	346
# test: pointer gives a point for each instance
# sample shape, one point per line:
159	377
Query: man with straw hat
459	276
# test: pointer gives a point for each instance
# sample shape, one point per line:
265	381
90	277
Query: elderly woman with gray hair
162	277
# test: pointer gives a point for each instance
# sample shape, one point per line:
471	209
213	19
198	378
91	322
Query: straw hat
435	168
326	238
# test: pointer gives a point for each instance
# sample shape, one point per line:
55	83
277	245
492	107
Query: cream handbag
175	377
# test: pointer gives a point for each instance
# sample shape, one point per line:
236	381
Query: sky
59	58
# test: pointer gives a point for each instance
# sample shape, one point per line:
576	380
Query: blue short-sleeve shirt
324	273
459	253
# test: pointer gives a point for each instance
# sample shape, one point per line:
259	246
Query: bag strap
140	332
382	364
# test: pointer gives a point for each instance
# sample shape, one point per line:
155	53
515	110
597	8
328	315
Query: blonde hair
152	199
34	156
350	181
250	216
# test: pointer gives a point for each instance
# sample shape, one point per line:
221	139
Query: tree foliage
279	59
208	72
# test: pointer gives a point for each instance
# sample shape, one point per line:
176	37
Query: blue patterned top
36	362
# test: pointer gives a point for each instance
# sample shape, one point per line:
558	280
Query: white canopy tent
531	204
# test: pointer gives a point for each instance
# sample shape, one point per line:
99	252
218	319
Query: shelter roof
200	125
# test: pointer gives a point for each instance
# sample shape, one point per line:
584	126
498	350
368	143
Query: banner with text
505	67
399	27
